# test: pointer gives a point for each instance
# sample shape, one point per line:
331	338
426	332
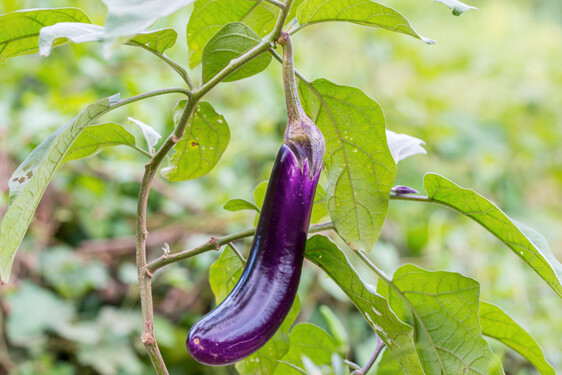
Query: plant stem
278	4
144	270
174	65
215	243
372	360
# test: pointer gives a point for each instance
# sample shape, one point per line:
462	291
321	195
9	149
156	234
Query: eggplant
253	311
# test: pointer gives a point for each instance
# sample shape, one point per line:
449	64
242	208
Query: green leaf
19	31
229	43
336	328
223	276
359	165
498	325
157	40
209	16
239	204
362	12
202	145
525	242
259	193
97	137
126	18
397	335
443	308
307	340
319	207
29	181
457	8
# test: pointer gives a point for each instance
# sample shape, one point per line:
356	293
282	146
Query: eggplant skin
253	311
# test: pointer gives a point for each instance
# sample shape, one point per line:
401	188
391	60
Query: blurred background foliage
486	99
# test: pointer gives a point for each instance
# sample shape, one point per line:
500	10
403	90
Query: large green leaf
209	16
229	43
443	308
397	335
497	324
157	40
202	145
359	165
309	341
19	31
525	242
362	12
223	276
126	18
29	181
97	137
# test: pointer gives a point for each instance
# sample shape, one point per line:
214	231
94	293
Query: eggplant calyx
302	135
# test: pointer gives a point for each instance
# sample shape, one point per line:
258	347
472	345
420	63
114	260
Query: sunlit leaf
19	31
157	40
30	179
397	335
525	242
229	43
359	166
497	324
202	145
239	204
97	137
126	18
362	12
443	309
209	16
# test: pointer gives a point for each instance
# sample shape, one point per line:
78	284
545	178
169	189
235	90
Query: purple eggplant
253	311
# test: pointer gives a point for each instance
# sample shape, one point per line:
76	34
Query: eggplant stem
294	107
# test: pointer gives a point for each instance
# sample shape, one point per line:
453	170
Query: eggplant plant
423	322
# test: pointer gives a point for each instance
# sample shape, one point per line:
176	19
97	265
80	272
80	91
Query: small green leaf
209	16
498	325
362	12
259	193
126	18
229	43
157	40
239	204
457	8
97	137
397	335
223	276
443	308
150	135
307	340
202	145
525	242
19	31
359	165
336	328
30	179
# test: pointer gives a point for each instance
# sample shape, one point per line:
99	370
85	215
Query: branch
174	65
372	360
215	243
